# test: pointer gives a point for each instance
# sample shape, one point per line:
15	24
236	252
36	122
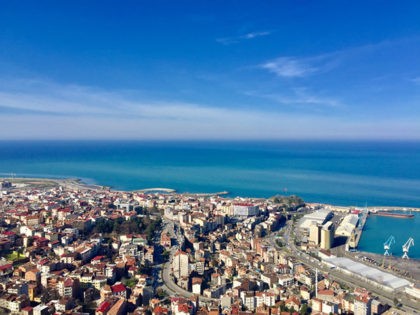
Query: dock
354	239
156	190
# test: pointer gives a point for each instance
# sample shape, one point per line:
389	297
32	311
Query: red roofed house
119	289
182	309
26	310
103	308
159	310
294	302
326	295
41	242
165	240
6	269
97	259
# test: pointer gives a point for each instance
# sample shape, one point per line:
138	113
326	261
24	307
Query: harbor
392	234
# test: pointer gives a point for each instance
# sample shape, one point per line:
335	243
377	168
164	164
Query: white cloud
289	67
47	110
237	39
255	34
299	97
298	67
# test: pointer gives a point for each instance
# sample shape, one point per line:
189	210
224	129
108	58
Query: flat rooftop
381	277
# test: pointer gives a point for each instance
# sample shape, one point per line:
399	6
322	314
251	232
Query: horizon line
214	140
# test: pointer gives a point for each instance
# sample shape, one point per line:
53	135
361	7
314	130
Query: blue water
347	173
378	229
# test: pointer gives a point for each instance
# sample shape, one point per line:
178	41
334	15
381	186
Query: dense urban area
69	248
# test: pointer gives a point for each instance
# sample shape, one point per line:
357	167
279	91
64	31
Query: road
168	283
408	303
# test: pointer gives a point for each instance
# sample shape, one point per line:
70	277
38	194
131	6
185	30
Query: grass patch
14	256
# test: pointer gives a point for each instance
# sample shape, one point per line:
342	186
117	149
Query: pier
354	239
220	193
156	190
170	190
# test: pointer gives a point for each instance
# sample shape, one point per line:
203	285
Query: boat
393	214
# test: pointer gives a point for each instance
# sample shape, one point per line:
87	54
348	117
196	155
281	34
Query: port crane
406	247
387	245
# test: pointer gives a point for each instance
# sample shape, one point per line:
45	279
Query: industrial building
322	235
348	225
386	281
317	217
315	234
327	235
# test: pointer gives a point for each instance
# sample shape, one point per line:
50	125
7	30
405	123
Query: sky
237	70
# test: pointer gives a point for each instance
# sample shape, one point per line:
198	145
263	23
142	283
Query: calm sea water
348	173
378	229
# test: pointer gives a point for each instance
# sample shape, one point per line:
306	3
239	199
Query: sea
357	173
378	229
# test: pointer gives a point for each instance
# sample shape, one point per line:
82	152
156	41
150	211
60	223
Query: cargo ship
393	214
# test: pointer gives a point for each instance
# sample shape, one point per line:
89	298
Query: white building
266	298
362	306
329	308
248	299
348	224
316	217
196	285
180	265
244	209
286	280
40	309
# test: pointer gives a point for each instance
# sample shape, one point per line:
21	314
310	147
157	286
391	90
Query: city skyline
210	70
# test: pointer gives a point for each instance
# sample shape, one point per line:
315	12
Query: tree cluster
136	225
289	202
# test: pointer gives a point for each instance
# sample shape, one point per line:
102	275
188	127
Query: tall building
244	209
327	235
180	264
315	233
362	305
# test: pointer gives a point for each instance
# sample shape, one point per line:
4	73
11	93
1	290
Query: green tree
131	282
161	294
304	309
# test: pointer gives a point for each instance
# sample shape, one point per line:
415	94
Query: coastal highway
409	304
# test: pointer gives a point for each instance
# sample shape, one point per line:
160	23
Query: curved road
168	283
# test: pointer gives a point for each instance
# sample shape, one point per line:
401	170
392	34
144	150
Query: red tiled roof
68	282
97	258
160	310
118	288
6	266
44	261
183	308
103	306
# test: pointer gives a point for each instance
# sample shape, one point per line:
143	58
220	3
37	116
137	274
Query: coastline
78	183
73	183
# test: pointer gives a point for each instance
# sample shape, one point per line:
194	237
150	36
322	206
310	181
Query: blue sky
209	70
